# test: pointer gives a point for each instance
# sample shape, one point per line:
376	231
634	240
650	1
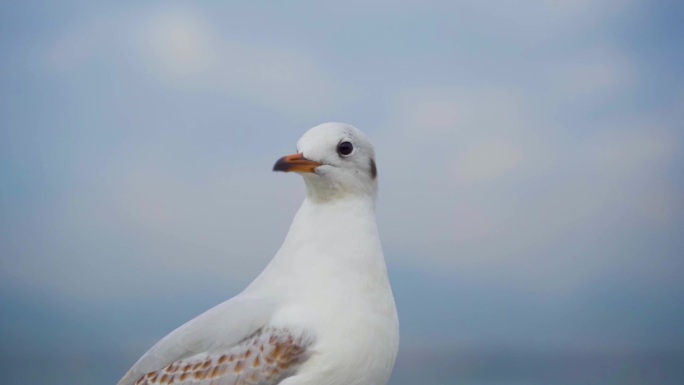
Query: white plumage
322	311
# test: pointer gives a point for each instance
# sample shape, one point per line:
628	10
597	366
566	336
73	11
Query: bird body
322	312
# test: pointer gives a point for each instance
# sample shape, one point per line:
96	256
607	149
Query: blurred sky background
529	153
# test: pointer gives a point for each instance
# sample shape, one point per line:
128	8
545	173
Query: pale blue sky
530	161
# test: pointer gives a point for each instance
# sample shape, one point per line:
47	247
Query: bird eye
345	148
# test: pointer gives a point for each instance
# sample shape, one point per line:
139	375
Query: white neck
345	188
327	240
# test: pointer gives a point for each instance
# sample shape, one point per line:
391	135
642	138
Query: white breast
356	335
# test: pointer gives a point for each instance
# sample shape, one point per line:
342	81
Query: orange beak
295	163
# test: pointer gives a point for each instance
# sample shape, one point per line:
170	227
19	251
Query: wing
218	329
264	358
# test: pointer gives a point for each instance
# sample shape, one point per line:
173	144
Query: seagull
322	311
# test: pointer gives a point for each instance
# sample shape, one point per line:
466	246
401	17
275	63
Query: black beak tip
280	165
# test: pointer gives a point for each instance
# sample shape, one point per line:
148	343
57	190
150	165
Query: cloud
183	48
491	185
624	150
487	160
593	73
177	43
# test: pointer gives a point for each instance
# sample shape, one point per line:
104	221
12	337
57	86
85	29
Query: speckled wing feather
264	358
219	329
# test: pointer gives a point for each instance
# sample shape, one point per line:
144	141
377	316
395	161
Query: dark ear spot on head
374	169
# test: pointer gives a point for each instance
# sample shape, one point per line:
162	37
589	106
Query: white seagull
322	311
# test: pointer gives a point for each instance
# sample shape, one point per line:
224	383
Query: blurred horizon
530	159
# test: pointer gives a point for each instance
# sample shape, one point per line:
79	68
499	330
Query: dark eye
345	148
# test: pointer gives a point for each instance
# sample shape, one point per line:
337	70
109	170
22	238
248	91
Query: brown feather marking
278	353
199	375
215	372
253	376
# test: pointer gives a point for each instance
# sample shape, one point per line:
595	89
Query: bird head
336	160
